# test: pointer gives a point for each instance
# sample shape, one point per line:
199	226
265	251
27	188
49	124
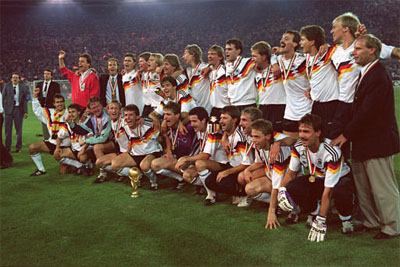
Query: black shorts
327	111
290	126
139	158
50	146
274	114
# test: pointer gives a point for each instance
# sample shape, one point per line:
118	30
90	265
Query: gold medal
311	179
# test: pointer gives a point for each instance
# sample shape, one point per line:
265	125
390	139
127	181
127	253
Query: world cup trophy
134	176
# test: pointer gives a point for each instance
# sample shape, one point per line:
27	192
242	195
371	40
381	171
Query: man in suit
48	89
15	97
375	140
111	84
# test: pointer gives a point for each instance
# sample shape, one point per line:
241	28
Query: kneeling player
53	118
327	177
143	146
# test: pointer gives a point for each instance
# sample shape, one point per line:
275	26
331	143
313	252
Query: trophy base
134	195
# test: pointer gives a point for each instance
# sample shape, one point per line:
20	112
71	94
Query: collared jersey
296	84
327	162
133	90
270	88
143	139
69	137
240	76
219	87
151	85
199	86
184	99
323	80
214	148
49	116
276	171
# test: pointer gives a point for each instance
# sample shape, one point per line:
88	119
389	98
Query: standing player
218	83
295	81
199	85
172	67
54	118
85	83
131	82
271	92
240	75
151	84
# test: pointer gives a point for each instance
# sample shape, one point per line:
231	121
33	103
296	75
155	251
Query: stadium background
66	221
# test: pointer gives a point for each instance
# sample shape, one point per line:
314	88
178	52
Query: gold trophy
134	176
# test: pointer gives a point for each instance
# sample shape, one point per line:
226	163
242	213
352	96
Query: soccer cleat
347	227
209	202
154	186
180	186
244	202
38	173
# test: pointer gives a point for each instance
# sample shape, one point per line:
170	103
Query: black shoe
382	236
38	173
209	202
39	135
99	180
292	218
154	187
179	187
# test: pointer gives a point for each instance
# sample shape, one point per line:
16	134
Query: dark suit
375	138
14	114
103	89
52	89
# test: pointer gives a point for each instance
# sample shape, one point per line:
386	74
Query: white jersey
182	83
276	171
121	134
322	76
327	163
199	86
214	148
296	84
241	151
151	85
184	99
270	88
240	76
143	140
49	116
348	70
69	137
219	88
133	90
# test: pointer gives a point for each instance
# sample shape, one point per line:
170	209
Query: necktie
113	93
15	90
45	89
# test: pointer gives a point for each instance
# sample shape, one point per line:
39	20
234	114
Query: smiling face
129	63
152	64
59	104
113	110
168	68
198	125
308	136
73	114
96	109
287	43
245	123
143	64
15	79
130	118
227	123
213	58
169	90
83	64
260	60
112	67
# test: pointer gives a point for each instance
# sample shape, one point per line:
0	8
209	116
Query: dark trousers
15	117
5	156
341	119
307	194
228	185
326	110
274	114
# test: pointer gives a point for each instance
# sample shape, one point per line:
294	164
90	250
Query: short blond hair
350	21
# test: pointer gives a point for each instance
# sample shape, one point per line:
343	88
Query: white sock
124	171
316	211
203	176
152	177
263	197
71	162
345	218
108	168
171	174
37	159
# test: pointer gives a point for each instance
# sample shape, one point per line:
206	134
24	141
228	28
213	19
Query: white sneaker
347	227
263	197
244	202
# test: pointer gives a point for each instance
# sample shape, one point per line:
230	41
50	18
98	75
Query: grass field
55	220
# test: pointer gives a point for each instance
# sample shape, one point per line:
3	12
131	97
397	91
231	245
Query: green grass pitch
56	220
